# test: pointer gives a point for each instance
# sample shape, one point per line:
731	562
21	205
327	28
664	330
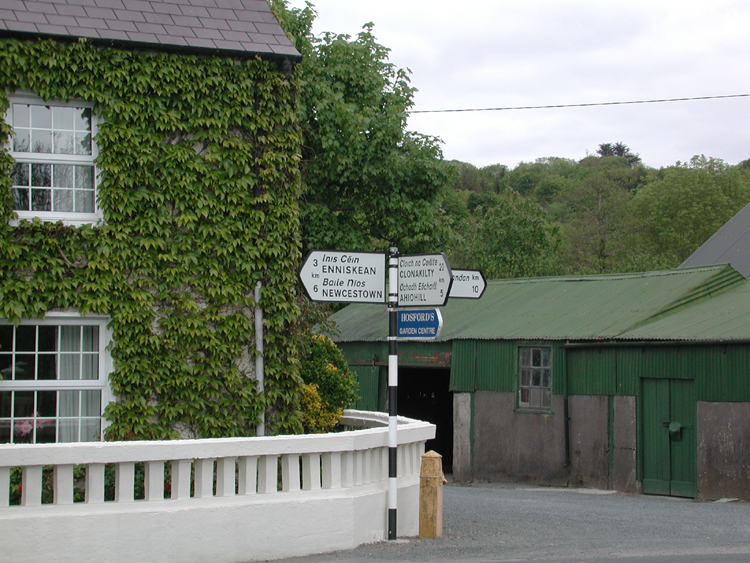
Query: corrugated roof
229	27
724	317
558	308
728	245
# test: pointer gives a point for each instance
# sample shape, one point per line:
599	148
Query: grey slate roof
232	27
728	245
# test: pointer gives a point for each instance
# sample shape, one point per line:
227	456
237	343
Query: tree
594	215
681	206
621	150
506	236
368	183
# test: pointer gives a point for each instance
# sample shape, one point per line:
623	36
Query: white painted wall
229	529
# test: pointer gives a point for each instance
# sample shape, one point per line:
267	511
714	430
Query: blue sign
419	324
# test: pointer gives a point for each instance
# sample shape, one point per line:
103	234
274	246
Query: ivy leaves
199	187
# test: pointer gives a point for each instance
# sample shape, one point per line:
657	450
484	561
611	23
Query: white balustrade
156	476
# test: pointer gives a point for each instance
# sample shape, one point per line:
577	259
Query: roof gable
729	245
558	308
238	28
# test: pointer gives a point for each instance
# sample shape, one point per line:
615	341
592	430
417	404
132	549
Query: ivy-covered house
637	382
148	183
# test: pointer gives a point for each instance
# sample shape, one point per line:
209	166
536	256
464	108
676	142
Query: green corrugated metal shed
651	305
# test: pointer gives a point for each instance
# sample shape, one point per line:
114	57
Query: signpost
344	277
467	284
424	280
419	324
420	280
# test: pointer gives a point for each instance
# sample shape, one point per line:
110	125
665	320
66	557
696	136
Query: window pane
91	403
6	338
21	200
69	403
63	200
70	339
6	366
26	339
90	430
23	404
41	116
536	378
21	115
22	140
63	117
4	431
83	143
83	119
90	366
41	141
5	403
46	431
47	366
25	366
524	399
41	175
525	377
535	397
70	366
68	429
63	177
90	339
64	142
84	178
546	378
536	357
20	175
41	200
46	403
84	201
47	338
525	359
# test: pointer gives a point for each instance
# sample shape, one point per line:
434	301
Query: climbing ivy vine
198	184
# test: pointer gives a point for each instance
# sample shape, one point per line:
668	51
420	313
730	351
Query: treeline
606	213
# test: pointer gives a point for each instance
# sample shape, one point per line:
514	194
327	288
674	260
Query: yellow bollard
431	481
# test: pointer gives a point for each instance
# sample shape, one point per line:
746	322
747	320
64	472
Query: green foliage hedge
199	187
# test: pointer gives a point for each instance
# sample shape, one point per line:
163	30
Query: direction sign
419	324
423	280
344	277
467	284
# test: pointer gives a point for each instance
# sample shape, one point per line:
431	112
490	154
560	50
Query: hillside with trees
605	213
368	183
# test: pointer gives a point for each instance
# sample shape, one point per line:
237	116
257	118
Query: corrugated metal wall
721	372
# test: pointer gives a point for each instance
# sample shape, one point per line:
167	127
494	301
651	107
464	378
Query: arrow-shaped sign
467	284
424	280
344	277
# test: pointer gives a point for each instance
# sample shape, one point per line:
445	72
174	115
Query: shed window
535	377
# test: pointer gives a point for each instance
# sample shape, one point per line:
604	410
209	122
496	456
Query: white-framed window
54	177
54	379
535	377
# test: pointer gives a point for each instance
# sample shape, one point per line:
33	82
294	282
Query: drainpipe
259	377
566	413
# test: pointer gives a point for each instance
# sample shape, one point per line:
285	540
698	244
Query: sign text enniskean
350	277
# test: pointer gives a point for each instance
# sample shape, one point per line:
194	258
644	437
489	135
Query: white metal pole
259	375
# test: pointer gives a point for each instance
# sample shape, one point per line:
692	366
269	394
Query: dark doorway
423	394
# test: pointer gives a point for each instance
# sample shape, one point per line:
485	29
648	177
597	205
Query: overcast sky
509	53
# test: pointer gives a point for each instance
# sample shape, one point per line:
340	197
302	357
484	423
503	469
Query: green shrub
325	374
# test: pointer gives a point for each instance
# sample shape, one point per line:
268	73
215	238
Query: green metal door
668	430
